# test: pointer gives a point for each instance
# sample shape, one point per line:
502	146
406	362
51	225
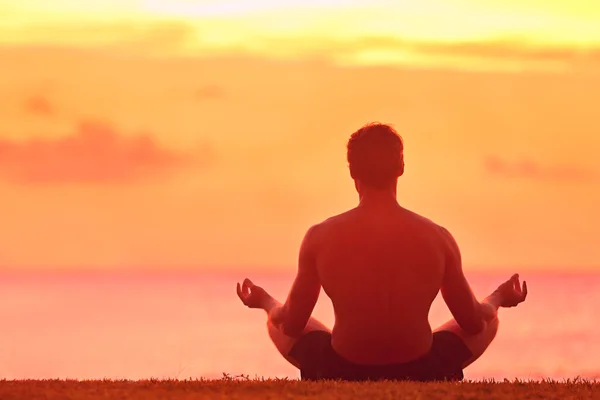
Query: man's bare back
382	266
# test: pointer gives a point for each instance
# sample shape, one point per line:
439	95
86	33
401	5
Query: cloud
500	49
210	92
173	37
514	50
528	169
95	153
39	106
130	37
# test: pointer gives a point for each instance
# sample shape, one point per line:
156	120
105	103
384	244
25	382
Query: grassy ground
292	390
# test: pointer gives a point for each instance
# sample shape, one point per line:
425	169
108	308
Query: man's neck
378	198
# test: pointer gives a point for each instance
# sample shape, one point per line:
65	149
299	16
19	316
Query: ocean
190	325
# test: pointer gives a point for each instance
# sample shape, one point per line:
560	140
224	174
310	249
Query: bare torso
382	269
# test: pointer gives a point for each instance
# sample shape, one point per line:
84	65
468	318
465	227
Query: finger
524	290
511	282
246	287
240	293
514	282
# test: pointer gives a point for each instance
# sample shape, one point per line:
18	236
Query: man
382	266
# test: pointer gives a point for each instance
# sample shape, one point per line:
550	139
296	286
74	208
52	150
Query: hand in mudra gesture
511	293
251	295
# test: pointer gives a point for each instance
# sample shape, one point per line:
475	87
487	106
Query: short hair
375	155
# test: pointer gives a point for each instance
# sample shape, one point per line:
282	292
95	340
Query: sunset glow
211	134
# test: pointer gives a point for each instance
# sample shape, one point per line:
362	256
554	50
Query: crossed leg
477	343
285	343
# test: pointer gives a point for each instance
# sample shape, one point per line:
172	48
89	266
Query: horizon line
283	270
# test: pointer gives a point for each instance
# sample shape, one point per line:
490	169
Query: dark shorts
319	361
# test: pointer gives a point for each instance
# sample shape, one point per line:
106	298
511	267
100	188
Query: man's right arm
456	291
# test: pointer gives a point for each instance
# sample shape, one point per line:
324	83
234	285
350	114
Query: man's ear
352	172
401	166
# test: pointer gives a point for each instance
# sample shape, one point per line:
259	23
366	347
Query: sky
211	135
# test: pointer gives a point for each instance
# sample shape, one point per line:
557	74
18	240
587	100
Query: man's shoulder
423	219
433	227
337	218
329	223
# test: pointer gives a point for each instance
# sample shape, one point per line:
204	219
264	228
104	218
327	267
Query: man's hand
253	296
510	293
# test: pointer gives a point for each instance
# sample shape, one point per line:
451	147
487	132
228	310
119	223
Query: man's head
375	156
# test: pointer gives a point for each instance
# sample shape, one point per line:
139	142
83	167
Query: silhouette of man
382	266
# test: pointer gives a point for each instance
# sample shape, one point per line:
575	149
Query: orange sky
211	134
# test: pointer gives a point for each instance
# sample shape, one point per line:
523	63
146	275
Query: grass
233	388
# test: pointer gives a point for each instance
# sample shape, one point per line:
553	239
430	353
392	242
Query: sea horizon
278	270
123	325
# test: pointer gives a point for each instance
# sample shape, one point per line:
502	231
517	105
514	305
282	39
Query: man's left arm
293	316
